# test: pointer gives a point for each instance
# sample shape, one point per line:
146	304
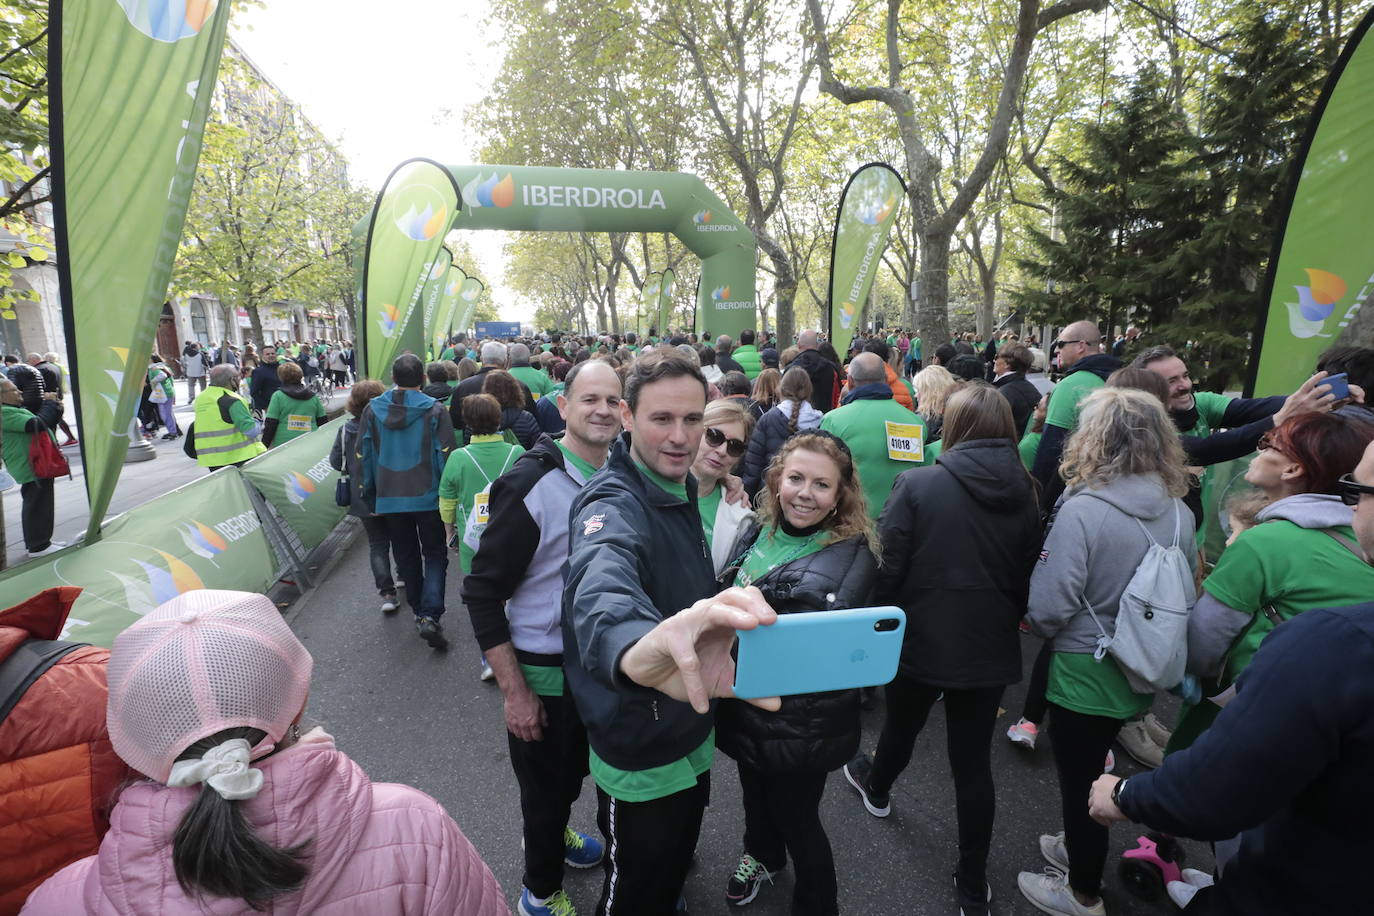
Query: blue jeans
379	553
417	543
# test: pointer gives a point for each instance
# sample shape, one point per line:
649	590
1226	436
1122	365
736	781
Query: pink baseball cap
201	663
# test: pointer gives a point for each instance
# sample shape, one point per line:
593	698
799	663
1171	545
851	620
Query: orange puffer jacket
58	773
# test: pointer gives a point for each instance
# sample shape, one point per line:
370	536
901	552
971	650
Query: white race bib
298	423
905	441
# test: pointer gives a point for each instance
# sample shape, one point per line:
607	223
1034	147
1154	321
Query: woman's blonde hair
1121	432
933	385
766	388
728	410
850	515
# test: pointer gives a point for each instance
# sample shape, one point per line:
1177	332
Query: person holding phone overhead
814	551
959	540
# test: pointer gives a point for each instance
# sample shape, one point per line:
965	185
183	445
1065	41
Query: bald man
1085	369
824	374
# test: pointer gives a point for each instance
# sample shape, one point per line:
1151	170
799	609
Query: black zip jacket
636	556
1021	395
959	541
812	732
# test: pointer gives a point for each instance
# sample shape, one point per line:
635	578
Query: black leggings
782	814
970	716
1080	742
1036	705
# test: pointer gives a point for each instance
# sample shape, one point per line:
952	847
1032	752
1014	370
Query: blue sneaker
556	905
580	850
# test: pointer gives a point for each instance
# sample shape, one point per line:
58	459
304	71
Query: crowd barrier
235	529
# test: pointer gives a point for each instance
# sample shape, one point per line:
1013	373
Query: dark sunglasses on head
1350	491
735	448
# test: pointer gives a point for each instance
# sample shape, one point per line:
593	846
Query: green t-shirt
544	680
537	382
655	782
1211	411
1081	683
586	468
708	505
1069	395
671	487
862	424
775	548
294	418
462	481
1029	445
1291	569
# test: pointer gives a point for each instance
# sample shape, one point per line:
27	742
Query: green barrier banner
667	287
202	535
650	298
468	294
413	212
434	292
868	207
448	308
299	483
1321	272
130	87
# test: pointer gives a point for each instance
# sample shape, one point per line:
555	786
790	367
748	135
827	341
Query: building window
200	323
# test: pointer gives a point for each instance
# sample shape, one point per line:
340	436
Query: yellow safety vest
219	443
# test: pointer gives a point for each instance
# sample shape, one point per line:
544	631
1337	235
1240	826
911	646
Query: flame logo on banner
455	286
1316	302
847	311
422	225
169	20
202	540
875	215
490	192
701	216
388	318
299	488
720	292
167	583
471	293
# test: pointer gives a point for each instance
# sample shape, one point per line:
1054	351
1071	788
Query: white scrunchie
224	768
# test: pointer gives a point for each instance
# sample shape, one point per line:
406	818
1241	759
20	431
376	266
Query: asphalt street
411	715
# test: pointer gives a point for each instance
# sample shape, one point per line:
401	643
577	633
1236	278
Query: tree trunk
785	285
256	321
987	311
932	307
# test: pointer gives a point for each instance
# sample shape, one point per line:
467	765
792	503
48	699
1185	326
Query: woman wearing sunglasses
728	425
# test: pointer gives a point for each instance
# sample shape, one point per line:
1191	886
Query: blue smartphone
810	652
1340	385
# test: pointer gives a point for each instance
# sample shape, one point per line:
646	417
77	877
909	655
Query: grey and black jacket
636	556
514	593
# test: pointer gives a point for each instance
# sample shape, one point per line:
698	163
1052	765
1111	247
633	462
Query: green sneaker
556	905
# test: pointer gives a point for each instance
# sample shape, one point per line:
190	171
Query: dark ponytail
795	387
796	411
215	850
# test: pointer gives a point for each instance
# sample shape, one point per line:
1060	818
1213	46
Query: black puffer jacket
1022	396
959	541
813	732
523	424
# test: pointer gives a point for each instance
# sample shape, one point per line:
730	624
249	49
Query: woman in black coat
508	390
813	553
959	541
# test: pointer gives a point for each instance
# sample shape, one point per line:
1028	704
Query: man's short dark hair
879	348
734	382
944	354
1152	355
706	355
963	347
1018	357
746	337
437	373
408	372
571	376
1356	362
966	366
657	366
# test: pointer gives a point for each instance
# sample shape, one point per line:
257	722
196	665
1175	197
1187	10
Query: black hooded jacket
960	539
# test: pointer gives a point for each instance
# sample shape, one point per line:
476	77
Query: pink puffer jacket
375	848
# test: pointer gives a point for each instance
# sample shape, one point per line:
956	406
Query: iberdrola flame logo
847	312
202	540
720	292
701	216
387	317
167	583
422	225
299	488
490	192
875	215
169	20
1316	302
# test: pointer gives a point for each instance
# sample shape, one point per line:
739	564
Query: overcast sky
388	85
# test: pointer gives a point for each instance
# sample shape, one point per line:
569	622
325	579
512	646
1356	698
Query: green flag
651	298
430	298
468	294
1321	273
867	210
665	299
448	308
413	212
130	86
202	535
296	479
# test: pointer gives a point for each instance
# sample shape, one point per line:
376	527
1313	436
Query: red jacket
58	773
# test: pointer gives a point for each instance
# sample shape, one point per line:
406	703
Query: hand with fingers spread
688	656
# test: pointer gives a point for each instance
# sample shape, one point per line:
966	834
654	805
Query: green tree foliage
23	143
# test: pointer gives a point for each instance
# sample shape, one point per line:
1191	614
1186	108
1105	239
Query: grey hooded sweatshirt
1092	552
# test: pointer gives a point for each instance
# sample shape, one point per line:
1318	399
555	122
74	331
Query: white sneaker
1110	763
54	547
1049	892
1024	732
388	604
1054	850
487	673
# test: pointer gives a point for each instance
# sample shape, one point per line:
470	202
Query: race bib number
905	441
298	423
481	508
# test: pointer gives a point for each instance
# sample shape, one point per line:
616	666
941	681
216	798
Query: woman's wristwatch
1116	793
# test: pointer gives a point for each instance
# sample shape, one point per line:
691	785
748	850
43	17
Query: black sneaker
974	904
432	632
744	884
857	772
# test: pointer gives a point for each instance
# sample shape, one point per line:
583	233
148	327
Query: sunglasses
1350	491
1266	442
735	448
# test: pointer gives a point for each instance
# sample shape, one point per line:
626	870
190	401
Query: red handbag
46	458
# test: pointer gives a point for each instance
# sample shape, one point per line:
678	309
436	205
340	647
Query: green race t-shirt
775	548
655	782
1029	445
1081	683
585	468
1291	569
1068	395
671	487
708	505
544	680
294	418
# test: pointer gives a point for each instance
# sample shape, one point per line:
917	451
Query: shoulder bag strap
26	665
1345	542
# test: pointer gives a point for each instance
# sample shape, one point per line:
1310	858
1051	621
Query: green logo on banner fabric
299	483
867	210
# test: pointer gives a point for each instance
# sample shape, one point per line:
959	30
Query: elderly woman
239	811
20	426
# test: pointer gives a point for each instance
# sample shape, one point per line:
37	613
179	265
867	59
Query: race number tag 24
481	508
905	441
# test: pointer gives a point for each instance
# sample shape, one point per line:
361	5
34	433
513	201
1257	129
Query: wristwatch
1116	792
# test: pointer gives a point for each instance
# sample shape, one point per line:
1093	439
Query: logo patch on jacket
1044	556
594	524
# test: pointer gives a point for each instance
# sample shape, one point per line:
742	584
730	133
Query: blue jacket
1288	765
404	440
